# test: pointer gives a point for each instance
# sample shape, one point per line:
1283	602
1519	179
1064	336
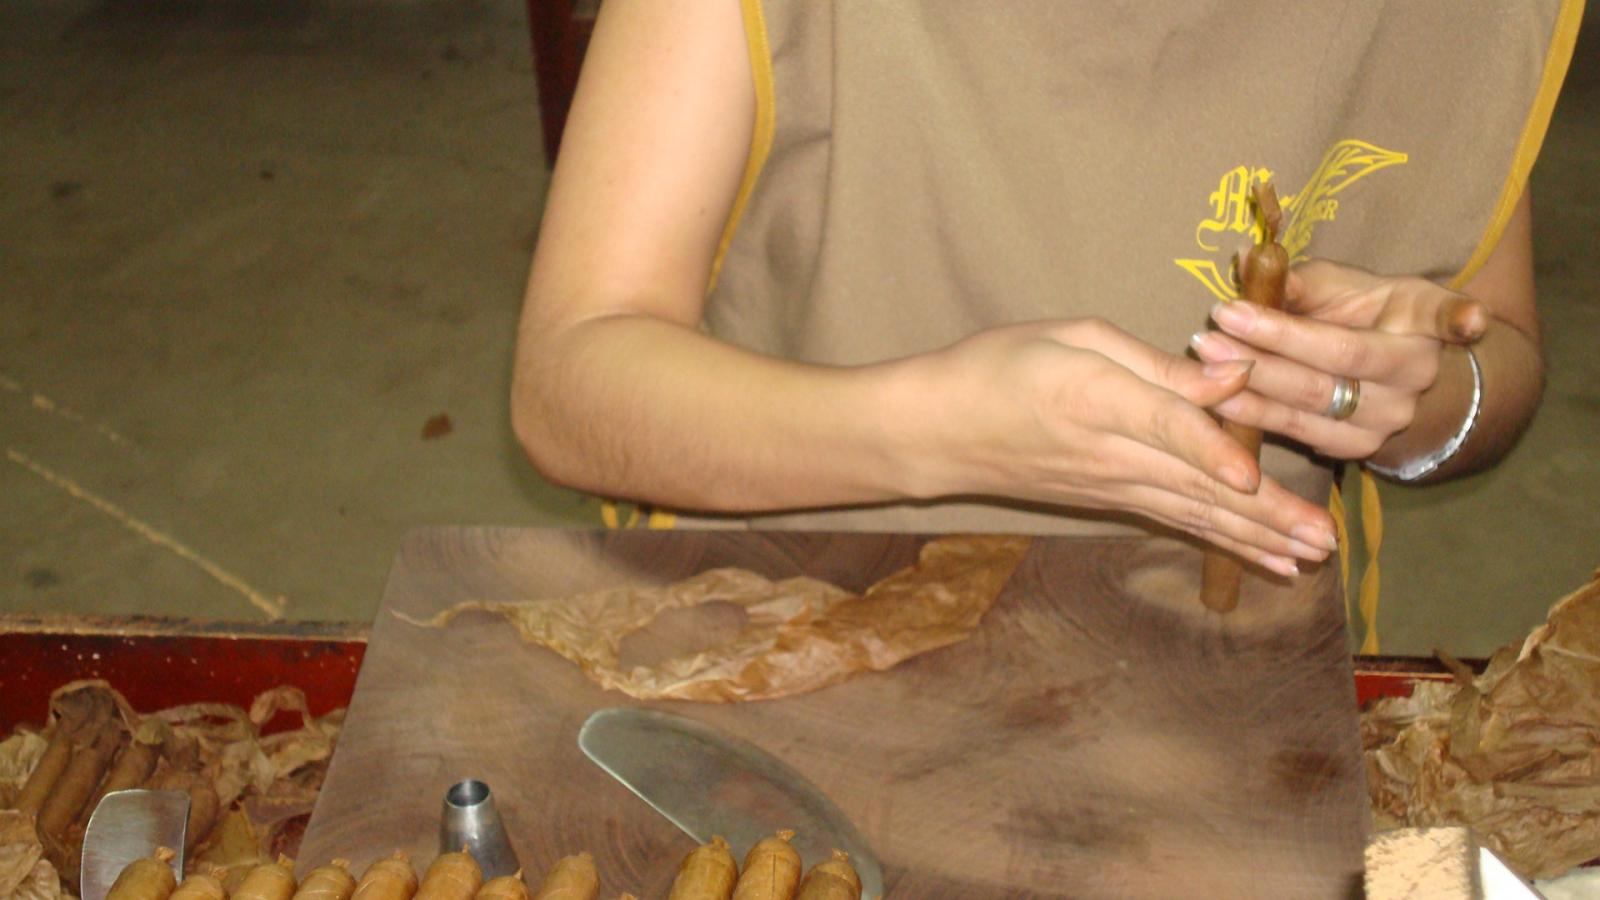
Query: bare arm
617	391
1509	355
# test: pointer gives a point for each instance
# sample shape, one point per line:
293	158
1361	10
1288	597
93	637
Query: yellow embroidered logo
1345	163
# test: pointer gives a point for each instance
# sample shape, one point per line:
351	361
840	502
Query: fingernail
1308	552
1236	316
1233	368
1239	479
1316	537
1210	347
1281	564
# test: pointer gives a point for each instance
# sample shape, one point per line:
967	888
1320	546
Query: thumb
1438	313
1206	386
1461	320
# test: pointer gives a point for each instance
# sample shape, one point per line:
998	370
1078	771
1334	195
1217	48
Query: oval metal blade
127	826
708	783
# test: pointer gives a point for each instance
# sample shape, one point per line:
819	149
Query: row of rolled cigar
771	871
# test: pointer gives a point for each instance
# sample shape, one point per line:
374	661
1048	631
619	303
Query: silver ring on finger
1346	397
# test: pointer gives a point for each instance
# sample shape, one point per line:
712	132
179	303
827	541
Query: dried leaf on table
1513	753
800	634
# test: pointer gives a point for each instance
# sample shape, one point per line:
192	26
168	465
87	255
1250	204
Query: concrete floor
249	247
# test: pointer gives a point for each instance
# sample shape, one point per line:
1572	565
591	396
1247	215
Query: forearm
1071	413
1509	357
638	407
1512	368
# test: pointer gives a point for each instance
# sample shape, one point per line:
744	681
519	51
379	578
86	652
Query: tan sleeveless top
937	168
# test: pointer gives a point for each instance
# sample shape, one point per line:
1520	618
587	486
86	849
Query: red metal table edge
159	662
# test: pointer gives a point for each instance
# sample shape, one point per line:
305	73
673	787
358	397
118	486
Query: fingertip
1211	347
1466	321
1229	370
1231	408
1242	478
1217	382
1281	565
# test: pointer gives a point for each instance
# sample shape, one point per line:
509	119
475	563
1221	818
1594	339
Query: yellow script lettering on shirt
1345	163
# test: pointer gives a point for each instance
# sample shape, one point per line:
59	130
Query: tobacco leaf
237	845
18	755
800	634
20	850
264	781
42	883
24	872
227	744
1513	753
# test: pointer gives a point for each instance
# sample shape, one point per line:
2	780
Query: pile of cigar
771	871
92	752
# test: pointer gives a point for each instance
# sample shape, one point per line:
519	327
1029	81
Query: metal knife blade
1498	882
708	783
127	826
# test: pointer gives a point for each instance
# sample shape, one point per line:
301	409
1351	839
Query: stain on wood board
1101	735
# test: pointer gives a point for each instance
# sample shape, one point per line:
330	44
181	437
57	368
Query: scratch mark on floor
273	606
45	405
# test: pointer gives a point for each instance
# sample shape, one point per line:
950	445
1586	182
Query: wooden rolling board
1101	735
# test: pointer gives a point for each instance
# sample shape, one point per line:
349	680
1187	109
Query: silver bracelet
1421	468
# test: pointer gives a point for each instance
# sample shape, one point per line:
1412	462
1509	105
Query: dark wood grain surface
1101	735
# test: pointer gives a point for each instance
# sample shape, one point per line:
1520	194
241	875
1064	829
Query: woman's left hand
1388	333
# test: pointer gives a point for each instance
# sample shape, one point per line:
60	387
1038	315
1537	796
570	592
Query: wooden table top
1100	735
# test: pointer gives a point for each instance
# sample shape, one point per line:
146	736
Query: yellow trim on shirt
1557	59
1372	534
611	516
1341	528
755	32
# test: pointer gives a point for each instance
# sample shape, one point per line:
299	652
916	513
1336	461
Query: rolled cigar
771	870
330	882
707	873
506	887
203	803
1263	277
268	881
46	772
832	879
132	766
150	878
200	886
90	759
388	879
571	878
451	876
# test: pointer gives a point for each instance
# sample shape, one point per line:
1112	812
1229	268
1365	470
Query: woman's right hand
1080	413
